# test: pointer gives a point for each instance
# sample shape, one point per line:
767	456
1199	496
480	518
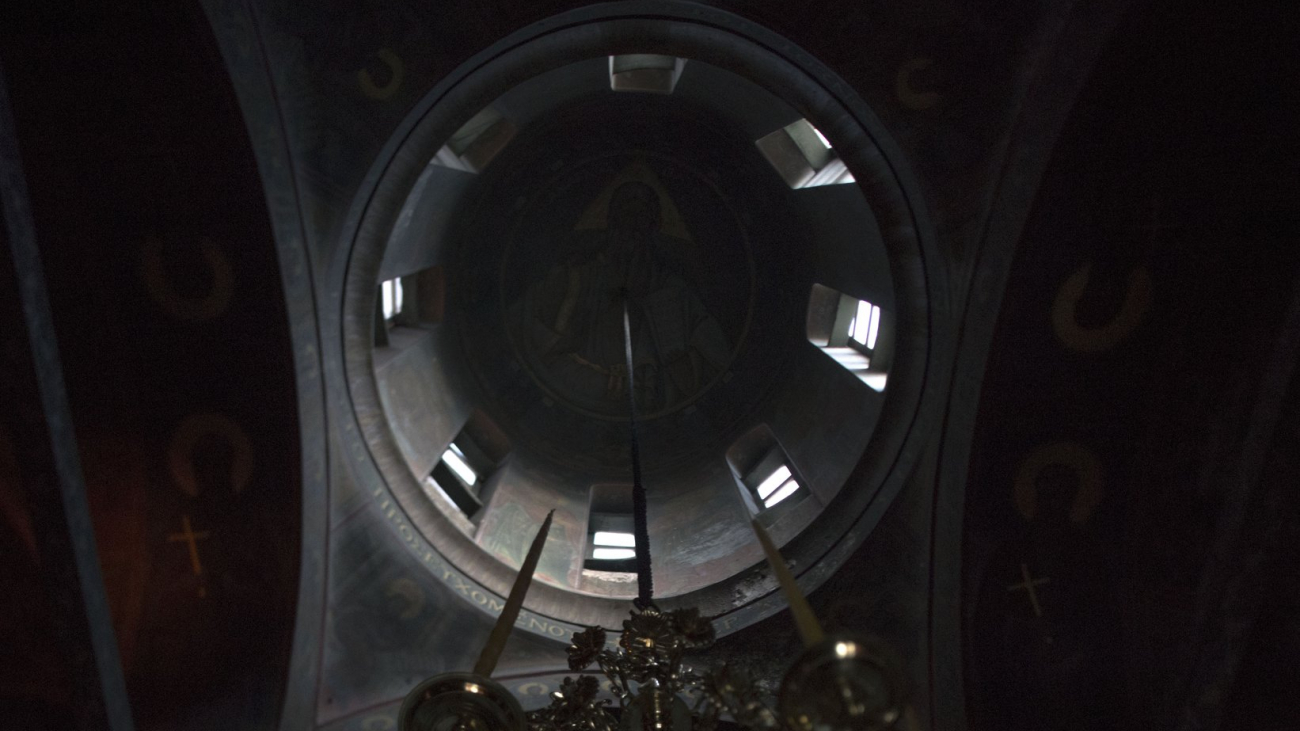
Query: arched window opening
408	301
611	541
803	156
390	299
462	475
849	330
768	480
477	143
645	72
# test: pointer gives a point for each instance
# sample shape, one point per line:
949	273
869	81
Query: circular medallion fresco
635	234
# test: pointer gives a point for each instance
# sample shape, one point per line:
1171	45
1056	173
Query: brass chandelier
839	683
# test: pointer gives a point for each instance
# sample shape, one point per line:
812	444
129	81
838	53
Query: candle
496	642
809	629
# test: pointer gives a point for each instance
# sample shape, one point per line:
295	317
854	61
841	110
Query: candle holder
844	683
460	702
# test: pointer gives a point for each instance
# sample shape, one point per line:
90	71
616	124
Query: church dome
751	219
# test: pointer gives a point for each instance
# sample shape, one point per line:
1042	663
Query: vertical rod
644	578
51	466
496	642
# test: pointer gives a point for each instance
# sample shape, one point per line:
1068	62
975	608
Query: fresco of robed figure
571	319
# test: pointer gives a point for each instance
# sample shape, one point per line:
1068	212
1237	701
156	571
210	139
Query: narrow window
865	325
388	309
409	301
848	330
645	72
777	486
473	147
772	481
765	472
803	156
612	545
461	475
611	542
455	459
458	481
390	299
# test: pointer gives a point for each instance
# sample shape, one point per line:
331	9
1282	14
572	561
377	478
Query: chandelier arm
610	668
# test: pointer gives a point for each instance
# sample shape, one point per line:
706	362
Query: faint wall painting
654	241
508	532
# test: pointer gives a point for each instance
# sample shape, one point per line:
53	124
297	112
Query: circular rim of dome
725	40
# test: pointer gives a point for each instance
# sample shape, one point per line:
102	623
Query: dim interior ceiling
475	245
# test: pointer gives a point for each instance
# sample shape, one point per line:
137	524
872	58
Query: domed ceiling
756	280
